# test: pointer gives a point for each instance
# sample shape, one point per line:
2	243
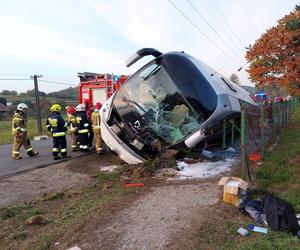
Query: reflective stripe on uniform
63	150
83	131
59	134
28	150
84	147
97	126
48	126
99	149
86	125
23	129
55	150
16	152
74	146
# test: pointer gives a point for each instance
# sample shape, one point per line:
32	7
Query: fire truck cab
96	87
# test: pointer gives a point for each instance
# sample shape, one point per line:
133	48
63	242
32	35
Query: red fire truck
96	87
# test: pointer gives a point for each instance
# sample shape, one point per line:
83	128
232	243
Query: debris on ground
255	156
108	168
209	155
74	248
36	220
257	229
232	190
242	231
181	165
204	169
134	185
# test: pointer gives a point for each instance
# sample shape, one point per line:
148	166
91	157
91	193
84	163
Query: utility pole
37	102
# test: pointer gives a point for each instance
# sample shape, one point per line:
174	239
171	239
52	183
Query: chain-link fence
260	126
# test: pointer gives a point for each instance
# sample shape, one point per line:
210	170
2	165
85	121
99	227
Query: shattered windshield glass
151	100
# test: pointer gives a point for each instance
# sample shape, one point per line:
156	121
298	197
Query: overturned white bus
173	101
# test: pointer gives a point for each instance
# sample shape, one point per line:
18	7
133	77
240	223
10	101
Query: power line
195	26
61	83
61	77
215	31
13	74
223	21
229	32
250	19
14	79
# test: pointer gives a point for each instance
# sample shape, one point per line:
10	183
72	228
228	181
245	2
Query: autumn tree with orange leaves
275	57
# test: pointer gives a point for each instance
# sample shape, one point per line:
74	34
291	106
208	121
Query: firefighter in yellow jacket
96	121
72	129
19	132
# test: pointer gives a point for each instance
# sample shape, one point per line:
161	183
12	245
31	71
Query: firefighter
58	127
96	121
84	128
72	129
19	132
91	134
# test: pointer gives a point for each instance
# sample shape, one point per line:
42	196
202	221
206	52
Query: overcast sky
59	38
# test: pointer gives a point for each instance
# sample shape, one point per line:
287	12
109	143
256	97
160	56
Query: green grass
272	240
279	174
64	216
21	212
5	130
280	171
12	98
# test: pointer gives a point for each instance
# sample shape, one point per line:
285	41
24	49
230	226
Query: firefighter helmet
80	107
22	106
98	105
55	108
70	110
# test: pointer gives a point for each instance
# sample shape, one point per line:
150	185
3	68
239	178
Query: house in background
3	109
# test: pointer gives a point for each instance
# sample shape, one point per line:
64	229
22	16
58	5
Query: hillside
69	93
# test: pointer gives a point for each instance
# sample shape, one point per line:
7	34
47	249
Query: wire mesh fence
260	126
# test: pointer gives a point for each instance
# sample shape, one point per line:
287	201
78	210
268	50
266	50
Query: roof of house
3	108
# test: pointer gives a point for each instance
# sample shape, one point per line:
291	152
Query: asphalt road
9	166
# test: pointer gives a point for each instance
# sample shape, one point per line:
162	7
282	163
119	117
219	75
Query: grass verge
5	130
279	174
64	213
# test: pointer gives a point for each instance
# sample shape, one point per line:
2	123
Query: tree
3	101
7	92
274	58
235	79
31	93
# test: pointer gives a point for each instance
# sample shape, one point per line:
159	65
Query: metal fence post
290	111
232	131
282	114
286	112
246	173
224	134
273	120
262	137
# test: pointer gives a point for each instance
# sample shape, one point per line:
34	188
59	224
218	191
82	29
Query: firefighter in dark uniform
58	127
96	122
19	132
84	128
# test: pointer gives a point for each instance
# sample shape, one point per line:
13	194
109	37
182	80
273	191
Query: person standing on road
72	129
96	122
84	128
58	127
19	132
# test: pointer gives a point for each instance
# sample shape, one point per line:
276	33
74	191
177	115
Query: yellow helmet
55	108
